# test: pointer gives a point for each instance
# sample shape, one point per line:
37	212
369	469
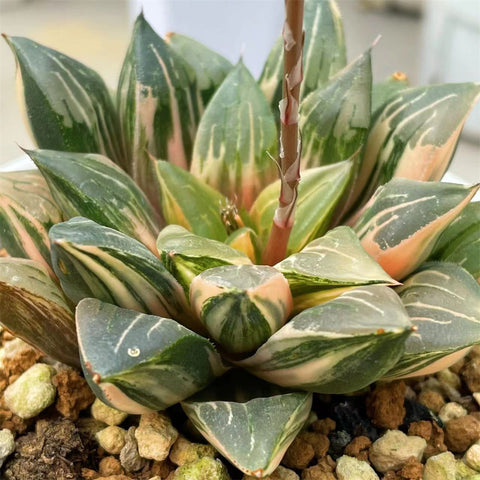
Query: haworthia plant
460	241
34	308
186	255
443	302
236	139
189	202
27	211
327	266
252	429
210	67
67	105
318	193
400	225
335	119
324	52
363	330
177	191
241	306
92	186
418	122
145	362
95	261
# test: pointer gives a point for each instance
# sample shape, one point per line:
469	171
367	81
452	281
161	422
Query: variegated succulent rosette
149	211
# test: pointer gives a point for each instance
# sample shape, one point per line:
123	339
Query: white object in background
233	28
451	48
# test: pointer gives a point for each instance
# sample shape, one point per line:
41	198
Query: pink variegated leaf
401	224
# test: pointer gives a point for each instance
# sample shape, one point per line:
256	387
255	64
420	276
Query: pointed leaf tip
92	186
139	363
402	222
68	106
336	347
235	132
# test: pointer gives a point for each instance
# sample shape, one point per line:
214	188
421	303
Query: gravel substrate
52	429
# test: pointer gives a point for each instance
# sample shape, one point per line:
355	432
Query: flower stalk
290	139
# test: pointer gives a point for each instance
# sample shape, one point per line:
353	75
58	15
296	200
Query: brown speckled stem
290	141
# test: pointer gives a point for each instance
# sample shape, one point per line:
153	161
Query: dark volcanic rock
338	441
351	418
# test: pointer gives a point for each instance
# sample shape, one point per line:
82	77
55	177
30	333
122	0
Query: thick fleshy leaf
415	134
67	105
33	308
323	54
189	202
235	134
186	255
326	266
318	194
27	211
95	261
159	103
138	363
460	241
337	347
241	306
209	66
250	422
246	241
91	186
401	224
384	91
443	301
334	120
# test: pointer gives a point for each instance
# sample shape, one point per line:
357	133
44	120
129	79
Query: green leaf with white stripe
91	186
67	105
158	102
95	261
138	363
33	308
324	52
27	211
319	192
186	255
443	301
209	66
338	347
250	422
241	306
415	134
329	265
400	225
334	120
189	202
460	241
384	91
235	135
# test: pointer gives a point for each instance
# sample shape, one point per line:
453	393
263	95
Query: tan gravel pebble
385	405
324	425
299	454
462	432
431	399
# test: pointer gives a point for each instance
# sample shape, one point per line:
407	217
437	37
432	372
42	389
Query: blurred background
430	40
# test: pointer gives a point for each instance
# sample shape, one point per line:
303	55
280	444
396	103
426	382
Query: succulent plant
151	212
